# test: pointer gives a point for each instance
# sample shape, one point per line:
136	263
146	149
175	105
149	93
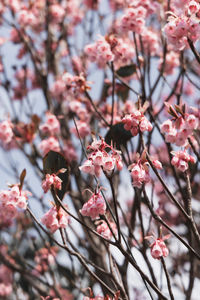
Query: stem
168	279
196	54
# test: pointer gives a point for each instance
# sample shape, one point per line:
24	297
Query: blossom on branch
100	159
55	218
94	207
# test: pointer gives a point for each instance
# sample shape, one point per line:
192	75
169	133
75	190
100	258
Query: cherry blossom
136	122
105	231
51	126
55	218
51	180
13	199
6	133
94	207
99	159
181	159
158	247
6	281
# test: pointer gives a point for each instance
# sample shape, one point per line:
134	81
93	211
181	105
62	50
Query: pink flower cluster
177	132
171	62
134	19
105	231
140	173
99	52
44	258
135	122
179	28
82	129
150	42
100	159
159	249
140	169
6	281
6	133
181	160
13	199
122	49
57	13
94	207
49	144
51	181
55	219
69	151
69	85
51	126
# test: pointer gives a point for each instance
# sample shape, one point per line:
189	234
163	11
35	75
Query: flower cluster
82	129
134	19
44	257
122	49
94	207
51	180
12	200
49	144
135	122
180	28
55	218
51	126
105	231
100	159
99	52
57	13
180	127
68	84
6	281
181	160
140	169
140	172
6	133
171	62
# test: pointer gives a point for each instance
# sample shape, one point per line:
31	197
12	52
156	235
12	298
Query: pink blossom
13	199
157	164
6	133
51	180
51	126
181	159
99	52
166	126
69	151
49	144
191	122
140	170
136	121
108	163
100	159
193	7
83	129
87	167
171	62
134	20
94	207
105	231
44	258
55	219
139	174
179	28
57	13
6	281
159	249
